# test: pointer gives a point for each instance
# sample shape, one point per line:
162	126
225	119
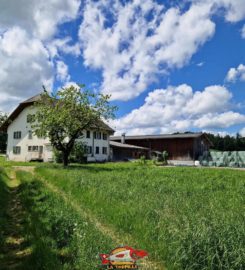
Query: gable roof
31	101
18	110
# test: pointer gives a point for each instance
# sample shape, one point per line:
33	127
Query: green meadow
185	218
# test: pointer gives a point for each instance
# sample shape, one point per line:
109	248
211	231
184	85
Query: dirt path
105	229
15	249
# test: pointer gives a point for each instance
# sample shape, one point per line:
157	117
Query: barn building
181	147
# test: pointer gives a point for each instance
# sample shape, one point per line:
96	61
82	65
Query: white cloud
62	71
27	48
64	45
235	74
242	132
39	18
233	10
223	120
133	50
243	32
212	99
200	64
25	64
180	109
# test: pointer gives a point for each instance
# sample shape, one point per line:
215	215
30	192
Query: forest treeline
227	143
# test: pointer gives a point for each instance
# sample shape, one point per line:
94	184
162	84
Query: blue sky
168	65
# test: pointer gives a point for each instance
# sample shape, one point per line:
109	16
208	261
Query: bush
164	157
77	155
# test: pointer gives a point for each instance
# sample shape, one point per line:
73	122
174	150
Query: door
41	152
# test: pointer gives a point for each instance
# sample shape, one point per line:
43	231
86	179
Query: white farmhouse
23	145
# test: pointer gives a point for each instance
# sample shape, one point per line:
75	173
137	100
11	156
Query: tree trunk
65	158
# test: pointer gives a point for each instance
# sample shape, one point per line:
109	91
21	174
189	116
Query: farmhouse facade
180	147
24	145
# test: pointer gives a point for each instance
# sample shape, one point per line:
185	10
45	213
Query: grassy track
43	231
186	218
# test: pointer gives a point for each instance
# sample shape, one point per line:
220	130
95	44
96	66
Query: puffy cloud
63	45
62	72
141	41
233	10
40	18
235	74
27	49
242	132
214	98
223	120
180	109
25	65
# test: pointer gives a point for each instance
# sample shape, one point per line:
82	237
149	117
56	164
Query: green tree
3	134
63	116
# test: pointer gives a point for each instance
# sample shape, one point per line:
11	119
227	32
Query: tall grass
186	218
59	236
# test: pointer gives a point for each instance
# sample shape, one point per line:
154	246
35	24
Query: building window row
97	135
89	150
17	134
33	148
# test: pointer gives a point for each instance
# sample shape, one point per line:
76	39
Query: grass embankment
186	218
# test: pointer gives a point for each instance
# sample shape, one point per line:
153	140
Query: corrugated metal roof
160	136
128	146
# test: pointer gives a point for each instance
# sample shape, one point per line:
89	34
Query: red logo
122	258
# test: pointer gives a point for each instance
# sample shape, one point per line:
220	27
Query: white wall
20	124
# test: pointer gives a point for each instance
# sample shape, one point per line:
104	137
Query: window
89	149
29	134
16	150
104	136
30	118
17	134
97	150
88	134
33	148
97	135
104	150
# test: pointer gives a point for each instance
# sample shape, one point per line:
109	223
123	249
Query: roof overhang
127	146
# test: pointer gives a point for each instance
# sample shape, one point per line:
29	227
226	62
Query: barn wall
178	148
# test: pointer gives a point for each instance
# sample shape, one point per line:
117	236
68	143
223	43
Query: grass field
186	218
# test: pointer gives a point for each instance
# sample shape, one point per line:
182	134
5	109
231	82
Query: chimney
123	137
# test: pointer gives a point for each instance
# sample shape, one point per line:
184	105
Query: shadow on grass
20	247
14	247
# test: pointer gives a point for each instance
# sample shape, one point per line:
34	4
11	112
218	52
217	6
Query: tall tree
3	135
65	115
